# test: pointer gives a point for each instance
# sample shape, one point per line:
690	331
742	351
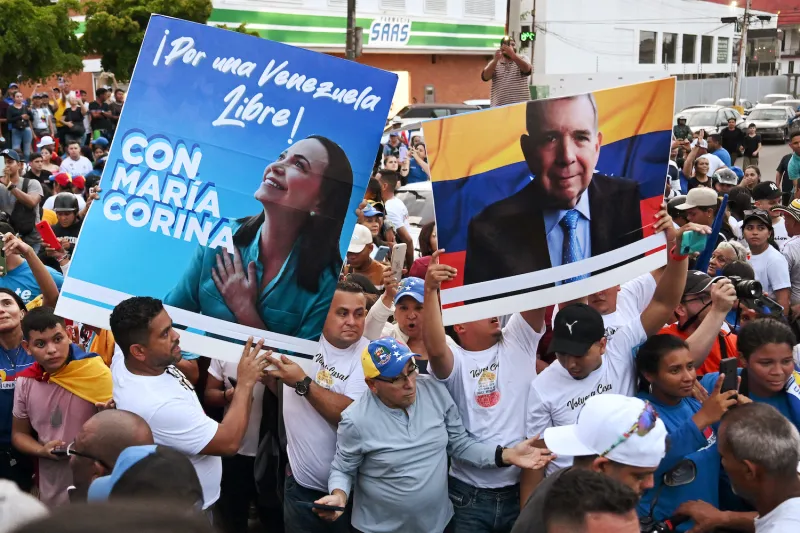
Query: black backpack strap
25	183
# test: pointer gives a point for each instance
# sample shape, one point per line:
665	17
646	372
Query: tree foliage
37	40
241	28
115	28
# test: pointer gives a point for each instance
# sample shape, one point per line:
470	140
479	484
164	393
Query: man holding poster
568	212
236	208
552	192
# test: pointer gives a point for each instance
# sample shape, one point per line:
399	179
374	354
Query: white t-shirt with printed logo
781	235
311	439
490	388
556	398
633	298
170	407
223	371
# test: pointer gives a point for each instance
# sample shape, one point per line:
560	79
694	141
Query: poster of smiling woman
231	188
554	200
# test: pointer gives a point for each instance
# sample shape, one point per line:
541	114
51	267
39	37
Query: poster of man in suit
562	207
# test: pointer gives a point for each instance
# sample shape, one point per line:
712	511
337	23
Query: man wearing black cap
678	216
20	197
705	302
766	196
588	363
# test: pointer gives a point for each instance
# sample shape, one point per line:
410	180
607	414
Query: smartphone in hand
729	367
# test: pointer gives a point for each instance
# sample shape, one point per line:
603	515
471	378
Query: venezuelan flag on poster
476	158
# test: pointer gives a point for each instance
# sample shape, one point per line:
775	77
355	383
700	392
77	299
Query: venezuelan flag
476	158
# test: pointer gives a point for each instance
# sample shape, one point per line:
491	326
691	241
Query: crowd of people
612	412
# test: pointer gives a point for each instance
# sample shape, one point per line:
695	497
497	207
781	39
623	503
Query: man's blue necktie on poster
571	250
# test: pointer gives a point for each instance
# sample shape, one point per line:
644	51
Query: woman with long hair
286	259
73	120
47	161
700	173
428	243
667	379
770	266
19	124
752	177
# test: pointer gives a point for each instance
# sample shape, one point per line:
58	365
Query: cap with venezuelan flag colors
385	357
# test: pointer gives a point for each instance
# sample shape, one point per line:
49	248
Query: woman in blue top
667	378
286	259
765	350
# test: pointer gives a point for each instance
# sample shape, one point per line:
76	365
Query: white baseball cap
18	508
699	197
45	141
602	425
362	236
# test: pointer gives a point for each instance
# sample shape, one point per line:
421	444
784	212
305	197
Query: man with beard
760	450
509	73
147	383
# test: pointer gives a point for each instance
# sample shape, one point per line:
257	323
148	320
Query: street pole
742	55
514	23
350	44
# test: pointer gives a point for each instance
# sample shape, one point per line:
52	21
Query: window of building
479	8
791	67
647	47
393	4
669	48
706	48
723	45
688	55
435	6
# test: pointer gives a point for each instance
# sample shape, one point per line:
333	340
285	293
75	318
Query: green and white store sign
386	32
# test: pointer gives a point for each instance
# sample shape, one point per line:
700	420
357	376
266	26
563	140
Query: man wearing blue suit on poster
568	212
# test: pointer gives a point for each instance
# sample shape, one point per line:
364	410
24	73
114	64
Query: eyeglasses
703	298
72	451
643	426
412	373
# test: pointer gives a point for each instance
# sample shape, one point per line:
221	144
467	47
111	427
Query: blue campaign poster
231	187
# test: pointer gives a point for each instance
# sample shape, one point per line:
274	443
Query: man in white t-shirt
396	212
622	304
313	405
75	163
147	383
770	266
767	196
487	372
760	452
588	363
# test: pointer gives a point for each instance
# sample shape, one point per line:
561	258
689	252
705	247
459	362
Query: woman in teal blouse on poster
286	260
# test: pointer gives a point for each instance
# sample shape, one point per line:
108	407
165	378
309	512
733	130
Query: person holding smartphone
509	74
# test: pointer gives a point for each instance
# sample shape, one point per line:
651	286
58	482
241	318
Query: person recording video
509	74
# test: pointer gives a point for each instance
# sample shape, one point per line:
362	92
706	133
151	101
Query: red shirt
711	364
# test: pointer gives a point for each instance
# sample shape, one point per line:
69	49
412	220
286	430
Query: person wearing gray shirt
791	248
392	446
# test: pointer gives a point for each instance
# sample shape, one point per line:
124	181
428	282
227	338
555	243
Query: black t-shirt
70	233
101	123
787	185
751	144
15	119
732	139
76	117
43	177
695	183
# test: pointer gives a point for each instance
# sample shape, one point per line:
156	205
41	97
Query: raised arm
670	287
440	357
488	70
723	295
327	403
231	430
14	245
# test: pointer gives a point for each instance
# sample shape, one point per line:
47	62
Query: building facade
586	44
437	47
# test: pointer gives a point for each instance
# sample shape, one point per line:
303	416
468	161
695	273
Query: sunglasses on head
644	425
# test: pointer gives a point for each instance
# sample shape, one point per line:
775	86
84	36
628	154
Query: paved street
770	157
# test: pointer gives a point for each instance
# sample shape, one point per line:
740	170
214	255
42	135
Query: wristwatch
498	458
11	187
301	388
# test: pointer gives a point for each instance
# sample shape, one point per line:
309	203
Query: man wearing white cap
358	256
701	207
616	435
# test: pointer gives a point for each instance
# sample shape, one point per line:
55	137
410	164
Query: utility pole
350	44
742	55
513	23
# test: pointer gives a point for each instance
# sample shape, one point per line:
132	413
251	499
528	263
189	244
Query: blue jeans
22	139
297	519
483	510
